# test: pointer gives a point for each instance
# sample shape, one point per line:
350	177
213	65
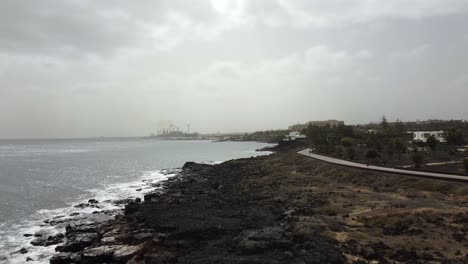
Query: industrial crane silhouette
188	127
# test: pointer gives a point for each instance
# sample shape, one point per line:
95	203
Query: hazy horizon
80	69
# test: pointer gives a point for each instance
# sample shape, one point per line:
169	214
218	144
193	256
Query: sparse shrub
418	159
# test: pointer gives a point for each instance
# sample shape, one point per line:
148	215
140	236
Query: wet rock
29	259
149	196
159	238
65	258
74	214
143	236
82	228
27	235
100	254
78	242
131	208
108	240
123	254
23	251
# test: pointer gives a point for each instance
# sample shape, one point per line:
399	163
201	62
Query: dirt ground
283	208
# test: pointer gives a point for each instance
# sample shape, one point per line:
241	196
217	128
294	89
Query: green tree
372	154
418	159
347	142
384	123
399	147
454	136
390	148
432	142
400	128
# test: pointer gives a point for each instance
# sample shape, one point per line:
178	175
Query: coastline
40	235
280	208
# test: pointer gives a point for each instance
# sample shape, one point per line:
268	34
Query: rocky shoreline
281	208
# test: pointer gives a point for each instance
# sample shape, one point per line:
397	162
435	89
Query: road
433	175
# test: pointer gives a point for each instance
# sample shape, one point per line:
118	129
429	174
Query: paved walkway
443	176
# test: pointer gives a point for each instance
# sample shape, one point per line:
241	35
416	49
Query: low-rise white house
422	136
293	136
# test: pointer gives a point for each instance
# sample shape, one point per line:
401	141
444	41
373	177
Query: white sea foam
12	236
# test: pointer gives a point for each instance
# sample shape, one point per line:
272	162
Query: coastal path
432	175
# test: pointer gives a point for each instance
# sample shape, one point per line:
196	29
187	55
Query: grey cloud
92	68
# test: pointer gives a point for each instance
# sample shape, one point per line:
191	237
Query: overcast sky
83	68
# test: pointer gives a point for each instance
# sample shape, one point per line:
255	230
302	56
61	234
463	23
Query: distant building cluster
330	123
422	136
294	135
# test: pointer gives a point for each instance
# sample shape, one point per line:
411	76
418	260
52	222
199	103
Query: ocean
42	179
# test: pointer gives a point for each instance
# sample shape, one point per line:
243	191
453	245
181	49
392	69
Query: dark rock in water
93	201
78	242
27	235
131	207
65	258
149	196
138	190
29	259
41	233
23	251
122	201
50	240
196	167
74	214
156	185
86	205
138	200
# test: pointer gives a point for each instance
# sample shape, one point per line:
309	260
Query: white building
422	136
293	136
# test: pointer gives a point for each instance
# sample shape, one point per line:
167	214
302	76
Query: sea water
42	179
